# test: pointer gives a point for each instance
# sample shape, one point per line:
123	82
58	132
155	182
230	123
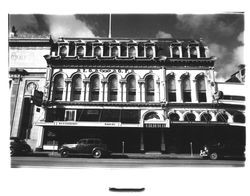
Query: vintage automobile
19	147
88	146
219	150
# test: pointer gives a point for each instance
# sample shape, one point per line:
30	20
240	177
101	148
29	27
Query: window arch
189	117
76	87
171	88
58	87
131	88
239	117
151	115
97	51
206	117
186	89
149	52
174	117
113	88
150	89
94	88
114	51
201	89
222	117
132	51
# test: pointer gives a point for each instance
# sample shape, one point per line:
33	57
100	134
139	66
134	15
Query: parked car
88	146
19	147
220	150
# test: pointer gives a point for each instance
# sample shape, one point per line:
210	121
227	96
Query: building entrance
152	140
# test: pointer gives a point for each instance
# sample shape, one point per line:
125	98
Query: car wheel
64	154
213	156
12	151
97	153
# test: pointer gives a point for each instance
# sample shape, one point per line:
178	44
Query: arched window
171	88
189	117
58	87
222	117
63	51
186	89
97	51
151	116
113	88
80	51
201	89
149	52
94	88
150	89
206	117
174	117
114	51
76	87
175	52
131	88
193	52
239	117
132	52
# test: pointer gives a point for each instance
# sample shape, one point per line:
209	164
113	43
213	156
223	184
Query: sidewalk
131	155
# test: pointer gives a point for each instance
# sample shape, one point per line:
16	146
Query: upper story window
97	51
149	52
131	88
171	89
186	89
201	89
113	84
80	51
105	49
193	52
63	51
124	50
114	51
76	87
150	89
89	49
132	51
189	117
202	52
176	52
58	87
94	88
71	48
70	115
141	50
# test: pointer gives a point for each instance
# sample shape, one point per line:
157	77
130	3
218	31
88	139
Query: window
186	89
149	52
58	87
70	115
123	49
202	52
76	87
71	48
201	89
131	88
97	51
63	51
189	117
193	52
80	51
140	50
132	51
175	52
171	89
110	116
174	117
113	84
130	116
106	49
206	117
114	51
150	88
94	88
222	117
89	49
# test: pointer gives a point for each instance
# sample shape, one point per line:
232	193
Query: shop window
150	88
113	88
97	51
110	116
190	117
63	51
193	52
76	87
171	89
176	52
131	88
132	51
221	117
130	116
174	117
71	49
201	89
80	51
58	87
114	51
88	115
89	49
94	88
206	117
186	89
70	115
149	52
239	117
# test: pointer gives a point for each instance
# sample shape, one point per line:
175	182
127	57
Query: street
79	162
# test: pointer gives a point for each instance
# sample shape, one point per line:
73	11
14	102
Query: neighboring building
239	76
151	94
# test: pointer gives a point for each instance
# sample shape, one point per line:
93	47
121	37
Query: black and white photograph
119	92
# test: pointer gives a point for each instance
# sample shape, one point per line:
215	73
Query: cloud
162	34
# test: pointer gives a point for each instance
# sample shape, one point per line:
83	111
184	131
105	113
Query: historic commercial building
143	94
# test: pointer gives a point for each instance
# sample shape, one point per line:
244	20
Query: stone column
188	52
138	92
178	91
163	145
208	90
142	82
198	51
64	95
163	89
123	90
194	98
87	91
119	93
101	92
82	92
180	51
157	91
105	87
142	141
69	84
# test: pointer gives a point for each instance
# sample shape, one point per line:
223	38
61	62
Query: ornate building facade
140	94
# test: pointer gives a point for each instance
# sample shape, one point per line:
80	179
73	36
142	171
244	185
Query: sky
223	33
